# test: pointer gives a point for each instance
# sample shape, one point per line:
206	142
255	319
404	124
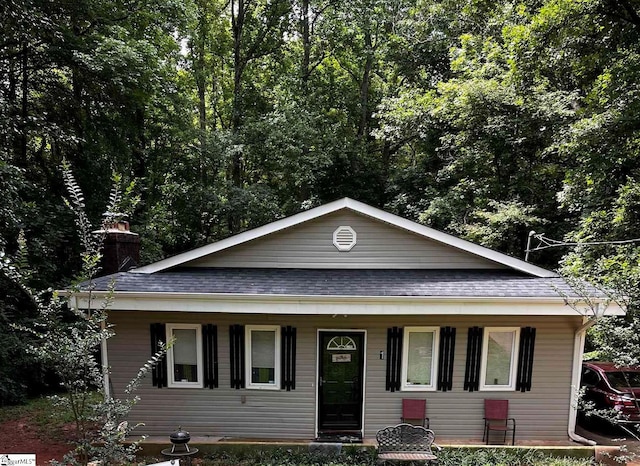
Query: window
185	356
419	358
589	378
499	356
263	356
341	344
623	380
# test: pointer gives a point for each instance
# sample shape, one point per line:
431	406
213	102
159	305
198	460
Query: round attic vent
344	238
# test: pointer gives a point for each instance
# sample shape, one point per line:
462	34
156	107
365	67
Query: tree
483	119
597	41
477	140
67	339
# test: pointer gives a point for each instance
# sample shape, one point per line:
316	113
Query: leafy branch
69	346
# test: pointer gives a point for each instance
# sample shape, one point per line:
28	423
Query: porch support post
105	364
578	350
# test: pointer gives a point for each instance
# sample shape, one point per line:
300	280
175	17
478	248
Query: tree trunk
235	175
364	87
140	146
24	110
238	19
9	139
78	110
306	46
200	77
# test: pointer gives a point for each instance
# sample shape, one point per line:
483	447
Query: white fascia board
451	240
341	305
358	207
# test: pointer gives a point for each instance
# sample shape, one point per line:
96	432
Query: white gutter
329	305
82	296
578	350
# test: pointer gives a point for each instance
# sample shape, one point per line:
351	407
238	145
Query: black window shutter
474	350
288	358
210	355
394	358
236	352
525	358
445	359
159	371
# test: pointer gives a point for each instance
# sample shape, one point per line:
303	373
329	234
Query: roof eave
357	305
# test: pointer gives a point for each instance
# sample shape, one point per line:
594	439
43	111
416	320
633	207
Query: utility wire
546	243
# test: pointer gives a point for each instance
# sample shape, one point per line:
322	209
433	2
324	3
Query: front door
340	381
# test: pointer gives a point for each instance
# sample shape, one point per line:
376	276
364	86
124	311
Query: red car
613	389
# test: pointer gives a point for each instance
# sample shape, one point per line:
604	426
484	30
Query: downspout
578	350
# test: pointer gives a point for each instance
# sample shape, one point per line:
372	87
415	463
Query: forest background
483	118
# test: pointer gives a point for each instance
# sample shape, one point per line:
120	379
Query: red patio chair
496	418
415	410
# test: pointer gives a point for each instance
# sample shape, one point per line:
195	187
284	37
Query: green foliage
67	339
292	457
355	456
20	376
505	457
502	220
483	119
409	104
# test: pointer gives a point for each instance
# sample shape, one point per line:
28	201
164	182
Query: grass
41	411
47	415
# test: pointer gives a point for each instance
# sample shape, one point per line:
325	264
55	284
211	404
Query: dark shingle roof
343	282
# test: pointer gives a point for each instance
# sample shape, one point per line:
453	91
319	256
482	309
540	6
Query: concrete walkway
614	448
153	445
213	440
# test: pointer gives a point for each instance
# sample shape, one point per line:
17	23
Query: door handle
320	381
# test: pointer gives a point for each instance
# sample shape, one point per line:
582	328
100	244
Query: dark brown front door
340	381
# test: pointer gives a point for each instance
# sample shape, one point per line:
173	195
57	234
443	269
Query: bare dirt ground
22	436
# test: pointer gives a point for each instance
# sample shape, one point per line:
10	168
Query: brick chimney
121	250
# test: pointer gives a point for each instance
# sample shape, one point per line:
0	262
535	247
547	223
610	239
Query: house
324	321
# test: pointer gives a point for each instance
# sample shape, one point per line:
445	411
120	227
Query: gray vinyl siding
379	245
541	414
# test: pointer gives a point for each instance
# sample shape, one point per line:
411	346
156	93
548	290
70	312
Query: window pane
263	356
420	358
185	355
624	379
499	354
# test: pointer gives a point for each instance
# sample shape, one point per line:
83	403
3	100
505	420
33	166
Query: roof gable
367	243
469	255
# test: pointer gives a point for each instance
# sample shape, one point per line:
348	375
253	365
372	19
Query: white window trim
514	359
171	383
262	386
405	359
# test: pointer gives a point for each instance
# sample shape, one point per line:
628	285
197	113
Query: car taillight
621	400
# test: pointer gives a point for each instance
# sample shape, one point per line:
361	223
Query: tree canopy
481	118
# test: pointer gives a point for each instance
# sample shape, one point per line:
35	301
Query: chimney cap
114	216
114	222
